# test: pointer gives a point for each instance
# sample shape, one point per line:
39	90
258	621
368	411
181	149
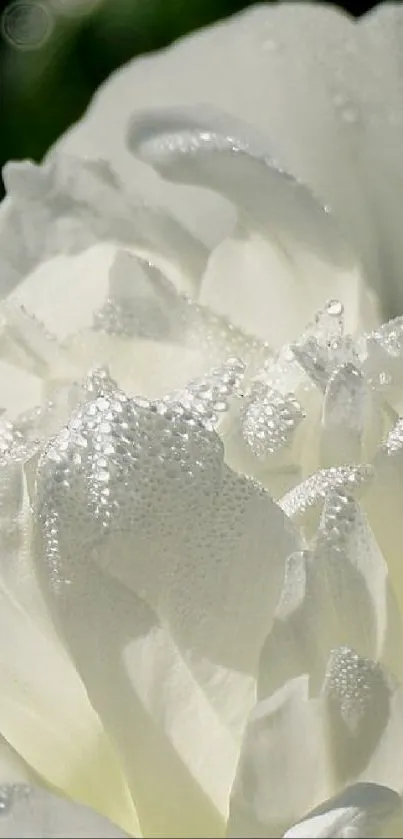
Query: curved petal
12	767
378	83
383	504
286	257
300	746
363	712
45	714
338	593
66	205
186	559
30	811
343	140
107	306
276	53
359	811
282	767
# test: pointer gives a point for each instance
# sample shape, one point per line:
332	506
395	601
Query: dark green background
44	90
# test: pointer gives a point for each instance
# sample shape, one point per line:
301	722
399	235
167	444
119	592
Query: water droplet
6	797
349	115
334	308
347	108
340	100
270	45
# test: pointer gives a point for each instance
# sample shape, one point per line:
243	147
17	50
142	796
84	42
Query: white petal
12	767
30	811
363	810
363	707
110	307
342	139
379	84
285	248
274	52
351	420
193	596
282	768
338	594
384	504
45	714
67	205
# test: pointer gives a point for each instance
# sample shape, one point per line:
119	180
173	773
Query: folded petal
363	709
337	593
277	52
66	205
285	247
282	767
186	559
343	140
363	810
45	714
301	745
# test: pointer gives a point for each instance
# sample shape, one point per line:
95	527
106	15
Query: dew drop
270	45
349	115
6	797
334	308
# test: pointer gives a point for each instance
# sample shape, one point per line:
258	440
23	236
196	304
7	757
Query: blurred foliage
55	53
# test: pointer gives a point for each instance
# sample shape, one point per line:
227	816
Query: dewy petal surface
66	205
300	745
342	140
176	560
30	811
45	714
286	256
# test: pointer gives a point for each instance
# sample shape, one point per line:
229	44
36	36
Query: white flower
167	626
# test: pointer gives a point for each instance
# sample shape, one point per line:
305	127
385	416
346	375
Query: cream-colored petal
286	257
282	767
340	593
277	52
109	307
30	811
186	559
383	504
12	767
67	205
45	714
363	708
363	810
302	745
342	139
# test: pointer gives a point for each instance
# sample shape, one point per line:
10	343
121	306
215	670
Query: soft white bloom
201	483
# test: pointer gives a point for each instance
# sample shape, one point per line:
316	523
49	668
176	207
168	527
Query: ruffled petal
274	52
67	205
337	593
45	714
186	559
301	744
342	140
286	257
